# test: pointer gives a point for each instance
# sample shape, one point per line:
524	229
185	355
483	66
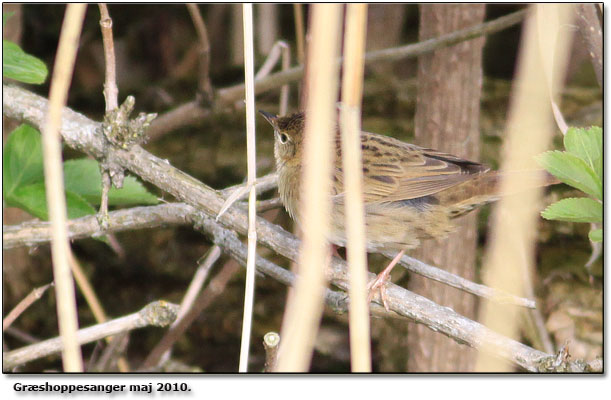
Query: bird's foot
379	283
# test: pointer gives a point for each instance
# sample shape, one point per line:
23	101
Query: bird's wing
395	171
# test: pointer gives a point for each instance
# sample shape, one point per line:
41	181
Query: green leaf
32	198
573	171
581	209
83	176
586	144
6	16
21	159
596	235
18	65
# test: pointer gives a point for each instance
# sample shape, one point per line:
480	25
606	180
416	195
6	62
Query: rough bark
447	118
385	24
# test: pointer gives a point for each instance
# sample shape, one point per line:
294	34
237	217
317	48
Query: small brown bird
410	193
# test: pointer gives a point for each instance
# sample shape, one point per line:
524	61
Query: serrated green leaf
6	16
32	198
575	210
18	65
596	235
21	159
586	144
573	171
83	176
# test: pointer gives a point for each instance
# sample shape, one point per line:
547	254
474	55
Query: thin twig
111	96
266	205
54	183
190	298
205	298
350	123
200	276
271	60
20	335
158	313
204	82
111	91
299	32
23	305
440	275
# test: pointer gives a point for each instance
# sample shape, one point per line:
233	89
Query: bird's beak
271	118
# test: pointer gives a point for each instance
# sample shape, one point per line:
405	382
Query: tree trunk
447	119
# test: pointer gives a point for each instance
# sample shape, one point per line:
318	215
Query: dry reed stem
94	303
514	229
54	183
549	57
350	118
249	57
304	309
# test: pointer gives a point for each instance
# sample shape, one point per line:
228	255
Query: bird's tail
487	188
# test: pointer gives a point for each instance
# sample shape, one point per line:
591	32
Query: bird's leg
379	283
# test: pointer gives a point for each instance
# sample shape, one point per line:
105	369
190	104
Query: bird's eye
283	138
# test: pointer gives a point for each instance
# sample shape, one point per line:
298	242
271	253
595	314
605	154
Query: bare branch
35	233
158	313
440	275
